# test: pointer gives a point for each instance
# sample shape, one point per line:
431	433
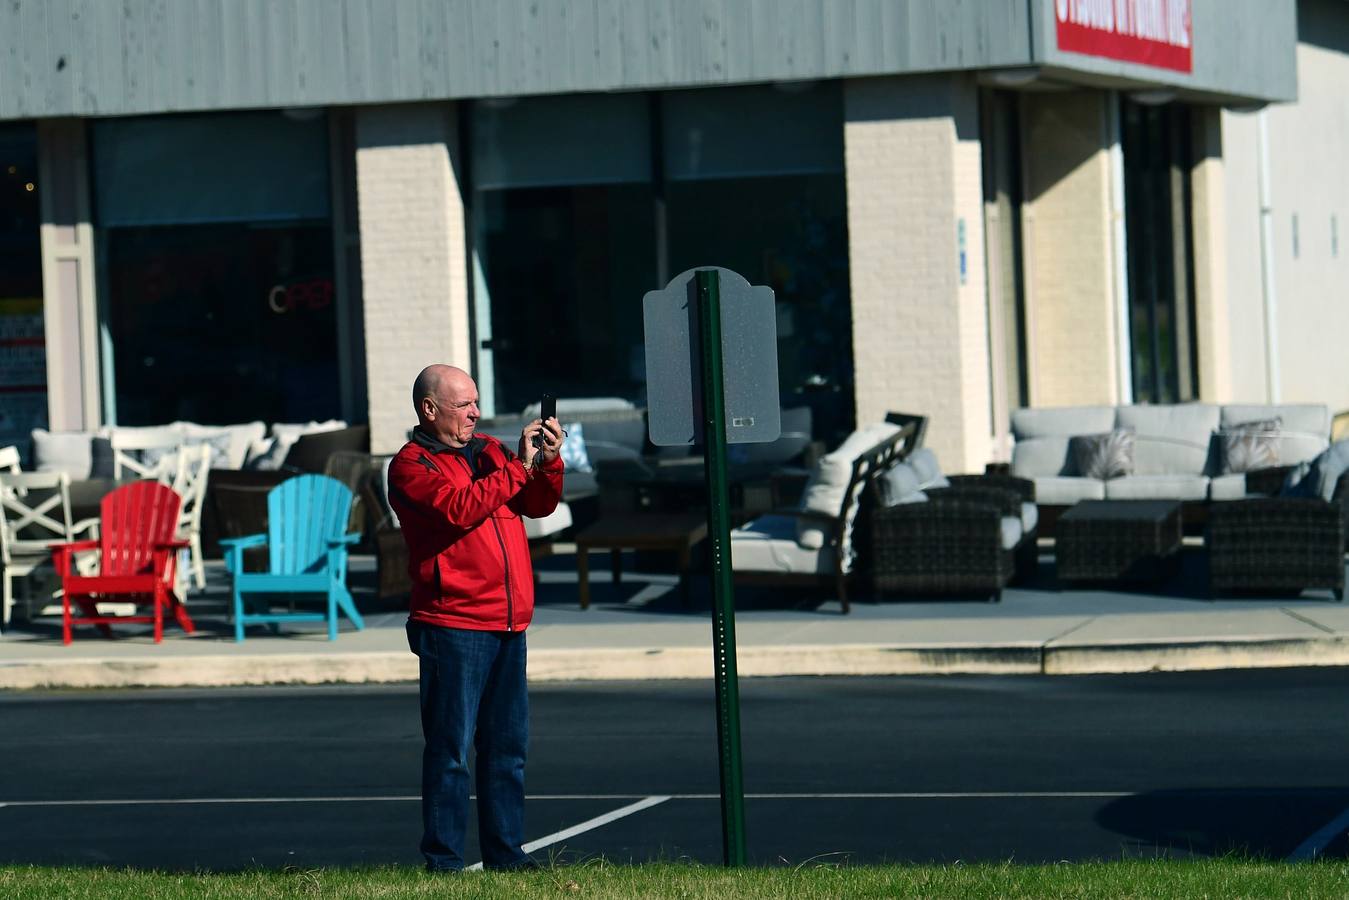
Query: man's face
453	413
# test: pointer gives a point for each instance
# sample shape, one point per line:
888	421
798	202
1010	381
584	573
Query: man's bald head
446	400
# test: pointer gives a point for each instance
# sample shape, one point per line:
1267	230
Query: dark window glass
790	233
223	323
216	258
567	268
23	361
1155	141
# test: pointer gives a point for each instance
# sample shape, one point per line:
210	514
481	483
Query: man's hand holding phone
541	439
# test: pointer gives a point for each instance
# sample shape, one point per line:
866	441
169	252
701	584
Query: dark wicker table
1127	540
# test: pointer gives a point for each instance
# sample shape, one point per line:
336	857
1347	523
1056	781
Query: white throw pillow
573	450
63	451
829	480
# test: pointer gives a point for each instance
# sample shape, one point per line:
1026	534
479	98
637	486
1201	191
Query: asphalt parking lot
861	770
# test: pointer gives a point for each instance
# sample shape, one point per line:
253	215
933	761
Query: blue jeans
472	690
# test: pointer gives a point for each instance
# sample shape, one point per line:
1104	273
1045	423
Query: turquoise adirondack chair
306	518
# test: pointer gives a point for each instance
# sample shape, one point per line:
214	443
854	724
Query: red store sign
1149	32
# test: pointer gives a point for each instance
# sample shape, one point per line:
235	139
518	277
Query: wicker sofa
1178	451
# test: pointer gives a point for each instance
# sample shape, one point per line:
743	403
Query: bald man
460	496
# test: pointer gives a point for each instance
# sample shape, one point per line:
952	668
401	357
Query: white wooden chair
29	528
130	459
9	459
191	472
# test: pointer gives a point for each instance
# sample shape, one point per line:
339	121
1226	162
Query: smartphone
547	410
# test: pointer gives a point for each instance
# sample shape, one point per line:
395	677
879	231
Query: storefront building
283	211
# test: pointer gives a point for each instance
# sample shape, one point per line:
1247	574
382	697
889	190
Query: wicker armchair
1278	543
972	537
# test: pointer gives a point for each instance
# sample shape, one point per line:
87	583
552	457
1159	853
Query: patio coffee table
1107	540
673	532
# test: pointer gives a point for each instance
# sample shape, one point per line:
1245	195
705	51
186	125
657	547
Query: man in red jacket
460	497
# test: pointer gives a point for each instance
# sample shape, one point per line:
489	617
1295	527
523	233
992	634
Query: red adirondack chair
137	555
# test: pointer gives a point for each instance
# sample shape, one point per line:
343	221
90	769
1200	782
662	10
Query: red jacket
467	551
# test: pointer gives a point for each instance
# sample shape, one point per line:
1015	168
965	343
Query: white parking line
408	798
587	825
1314	845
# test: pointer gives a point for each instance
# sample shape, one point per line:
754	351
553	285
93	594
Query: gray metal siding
118	57
1242	49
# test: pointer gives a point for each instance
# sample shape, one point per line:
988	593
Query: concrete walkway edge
655	663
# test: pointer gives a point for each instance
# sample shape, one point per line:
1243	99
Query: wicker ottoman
1109	540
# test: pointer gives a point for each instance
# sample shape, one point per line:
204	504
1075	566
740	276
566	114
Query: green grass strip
1142	879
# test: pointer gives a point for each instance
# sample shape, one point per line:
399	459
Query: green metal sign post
723	596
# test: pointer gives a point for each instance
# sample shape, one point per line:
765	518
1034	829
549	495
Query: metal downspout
1268	287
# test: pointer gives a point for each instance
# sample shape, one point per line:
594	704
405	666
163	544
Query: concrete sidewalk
639	630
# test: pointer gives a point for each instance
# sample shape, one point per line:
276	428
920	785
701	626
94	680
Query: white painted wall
1309	150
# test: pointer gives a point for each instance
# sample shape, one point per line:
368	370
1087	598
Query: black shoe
524	865
443	870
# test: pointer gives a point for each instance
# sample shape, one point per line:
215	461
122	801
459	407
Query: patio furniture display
191	475
307	554
813	545
1276	544
932	534
1108	540
671	532
34	516
136	561
1183	452
1279	543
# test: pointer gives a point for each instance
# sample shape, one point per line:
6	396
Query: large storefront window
754	182
217	265
583	204
23	362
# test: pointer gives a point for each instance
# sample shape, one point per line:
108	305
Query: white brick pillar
1071	313
919	314
414	270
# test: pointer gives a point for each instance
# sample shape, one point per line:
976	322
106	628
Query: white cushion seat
768	544
555	521
1030	517
1227	487
1065	490
1011	532
1157	487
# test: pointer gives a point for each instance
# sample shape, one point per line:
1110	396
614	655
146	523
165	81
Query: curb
643	664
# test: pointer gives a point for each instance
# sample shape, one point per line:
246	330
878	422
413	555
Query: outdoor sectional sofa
1179	450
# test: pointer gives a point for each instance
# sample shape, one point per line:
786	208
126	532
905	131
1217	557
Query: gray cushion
896	483
1172	439
1067	490
768	544
63	451
925	465
1249	446
1030	517
1107	455
1158	487
1227	487
1041	456
1011	532
1323	474
1062	421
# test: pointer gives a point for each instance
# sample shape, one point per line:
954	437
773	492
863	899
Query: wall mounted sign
1155	33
